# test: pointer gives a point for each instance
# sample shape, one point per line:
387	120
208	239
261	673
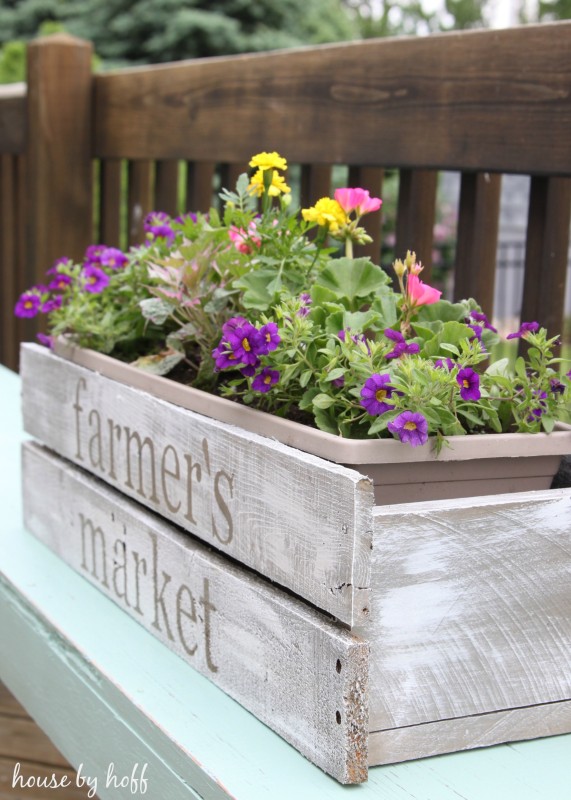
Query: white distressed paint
293	668
301	521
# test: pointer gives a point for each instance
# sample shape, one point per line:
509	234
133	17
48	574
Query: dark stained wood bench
482	103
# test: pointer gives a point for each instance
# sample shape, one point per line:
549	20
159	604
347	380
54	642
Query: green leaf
325	421
255	289
156	310
305	377
323	401
500	367
520	368
306	401
351	278
547	423
336	373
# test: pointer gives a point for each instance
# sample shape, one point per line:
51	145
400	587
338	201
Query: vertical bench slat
416	212
315	183
478	221
370	178
110	202
166	187
199	185
8	265
229	174
25	328
546	253
139	198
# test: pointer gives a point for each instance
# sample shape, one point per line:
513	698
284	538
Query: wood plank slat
482	730
217	481
494	101
370	178
470	608
166	187
200	186
9	705
110	193
315	183
547	252
229	174
19	739
292	667
416	214
477	238
139	199
13	118
8	263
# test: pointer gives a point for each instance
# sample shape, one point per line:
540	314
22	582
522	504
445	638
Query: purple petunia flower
47	341
469	382
305	299
524	328
59	283
478	330
270	336
410	427
480	317
338	382
541	407
265	379
402	347
51	304
556	386
224	357
93	254
158	224
113	257
94	279
28	305
375	392
63	262
445	363
184	217
247	343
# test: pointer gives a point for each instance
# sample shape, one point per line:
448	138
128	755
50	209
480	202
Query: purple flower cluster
524	329
402	347
242	346
157	225
481	320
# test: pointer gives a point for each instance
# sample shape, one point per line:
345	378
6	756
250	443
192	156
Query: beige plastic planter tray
469	466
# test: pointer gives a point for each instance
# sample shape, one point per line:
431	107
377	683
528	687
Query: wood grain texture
478	222
547	252
297	519
481	730
492	101
139	199
471	607
8	264
416	215
110	202
59	174
294	669
12	118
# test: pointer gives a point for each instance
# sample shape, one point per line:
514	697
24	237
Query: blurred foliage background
131	32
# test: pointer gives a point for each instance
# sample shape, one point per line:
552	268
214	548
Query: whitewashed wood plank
471	607
301	521
481	730
293	668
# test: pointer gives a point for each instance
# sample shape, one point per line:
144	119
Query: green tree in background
409	17
554	10
151	31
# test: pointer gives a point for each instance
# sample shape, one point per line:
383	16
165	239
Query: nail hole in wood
338	665
338	717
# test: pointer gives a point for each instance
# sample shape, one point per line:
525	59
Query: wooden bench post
59	174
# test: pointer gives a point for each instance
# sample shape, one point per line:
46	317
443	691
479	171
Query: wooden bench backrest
482	103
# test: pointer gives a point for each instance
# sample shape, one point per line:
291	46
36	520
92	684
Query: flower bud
399	267
410	258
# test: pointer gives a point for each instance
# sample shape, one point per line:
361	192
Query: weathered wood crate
415	629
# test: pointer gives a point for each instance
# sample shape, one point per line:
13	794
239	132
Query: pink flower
243	240
419	293
358	200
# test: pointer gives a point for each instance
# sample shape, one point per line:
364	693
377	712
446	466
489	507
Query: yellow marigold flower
277	186
268	161
326	212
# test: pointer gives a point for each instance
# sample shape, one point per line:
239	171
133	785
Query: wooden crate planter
464	605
